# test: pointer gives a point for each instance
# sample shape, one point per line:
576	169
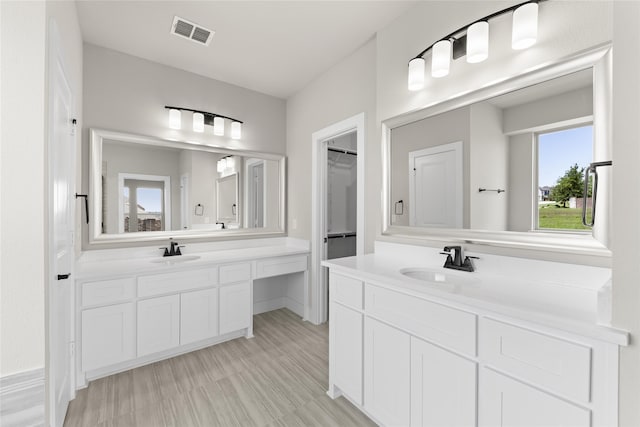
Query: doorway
322	140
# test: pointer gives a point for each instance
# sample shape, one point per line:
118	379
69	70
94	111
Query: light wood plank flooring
278	378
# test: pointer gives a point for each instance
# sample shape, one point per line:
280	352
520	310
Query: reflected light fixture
472	41
202	118
198	122
174	118
225	164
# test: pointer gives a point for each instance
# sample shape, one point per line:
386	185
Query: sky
150	199
558	151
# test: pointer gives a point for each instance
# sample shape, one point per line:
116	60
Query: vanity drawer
281	265
434	322
552	363
179	281
108	291
235	273
346	290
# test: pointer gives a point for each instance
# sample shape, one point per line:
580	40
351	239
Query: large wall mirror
144	188
506	165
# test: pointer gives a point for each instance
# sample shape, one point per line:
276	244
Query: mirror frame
96	237
596	244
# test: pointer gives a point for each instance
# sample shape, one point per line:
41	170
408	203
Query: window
144	203
562	159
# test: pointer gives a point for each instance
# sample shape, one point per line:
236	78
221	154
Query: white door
235	307
61	258
198	315
158	324
185	212
386	373
436	186
108	335
256	195
507	402
443	387
347	346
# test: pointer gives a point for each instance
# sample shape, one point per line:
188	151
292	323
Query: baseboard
268	305
22	399
295	306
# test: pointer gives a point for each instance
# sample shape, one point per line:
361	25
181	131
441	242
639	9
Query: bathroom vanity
133	309
515	343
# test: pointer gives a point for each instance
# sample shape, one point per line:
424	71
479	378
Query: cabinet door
386	373
507	402
108	335
158	324
198	315
443	387
347	351
235	307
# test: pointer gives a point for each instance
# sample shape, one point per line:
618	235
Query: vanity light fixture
473	41
198	122
175	118
202	118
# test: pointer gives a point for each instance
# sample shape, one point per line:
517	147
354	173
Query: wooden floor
278	378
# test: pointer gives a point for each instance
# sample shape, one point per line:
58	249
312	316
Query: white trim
22	398
564	245
248	166
141	177
456	147
319	303
185	203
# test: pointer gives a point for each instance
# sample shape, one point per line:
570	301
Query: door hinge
72	348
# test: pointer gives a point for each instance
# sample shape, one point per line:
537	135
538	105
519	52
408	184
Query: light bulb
231	162
416	74
441	58
218	126
222	165
174	118
525	26
478	42
198	122
236	130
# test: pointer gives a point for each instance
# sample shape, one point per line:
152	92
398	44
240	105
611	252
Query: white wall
520	202
125	93
626	201
23	160
488	168
343	91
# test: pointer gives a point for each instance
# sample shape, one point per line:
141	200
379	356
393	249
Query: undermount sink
437	276
175	259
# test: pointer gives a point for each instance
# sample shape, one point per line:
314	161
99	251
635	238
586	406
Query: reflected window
143	205
562	159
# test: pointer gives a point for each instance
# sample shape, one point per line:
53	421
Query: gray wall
128	94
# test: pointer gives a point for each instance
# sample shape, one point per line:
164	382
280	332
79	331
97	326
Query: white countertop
549	303
94	269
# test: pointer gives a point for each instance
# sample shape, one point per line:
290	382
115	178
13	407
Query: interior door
62	167
436	205
256	219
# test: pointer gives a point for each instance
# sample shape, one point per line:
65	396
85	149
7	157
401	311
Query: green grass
554	217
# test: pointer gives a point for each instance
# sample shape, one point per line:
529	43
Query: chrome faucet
174	251
456	262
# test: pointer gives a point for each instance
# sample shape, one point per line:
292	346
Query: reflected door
437	205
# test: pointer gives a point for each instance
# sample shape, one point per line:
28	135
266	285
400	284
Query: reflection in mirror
227	201
147	187
510	163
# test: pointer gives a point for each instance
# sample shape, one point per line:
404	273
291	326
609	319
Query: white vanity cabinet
428	363
133	320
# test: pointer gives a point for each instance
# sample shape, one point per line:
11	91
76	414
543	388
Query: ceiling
274	47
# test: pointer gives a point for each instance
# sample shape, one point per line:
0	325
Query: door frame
56	60
318	285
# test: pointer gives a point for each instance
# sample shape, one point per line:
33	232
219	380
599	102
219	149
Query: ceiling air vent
194	32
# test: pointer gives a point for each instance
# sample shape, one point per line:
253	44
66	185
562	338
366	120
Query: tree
569	185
